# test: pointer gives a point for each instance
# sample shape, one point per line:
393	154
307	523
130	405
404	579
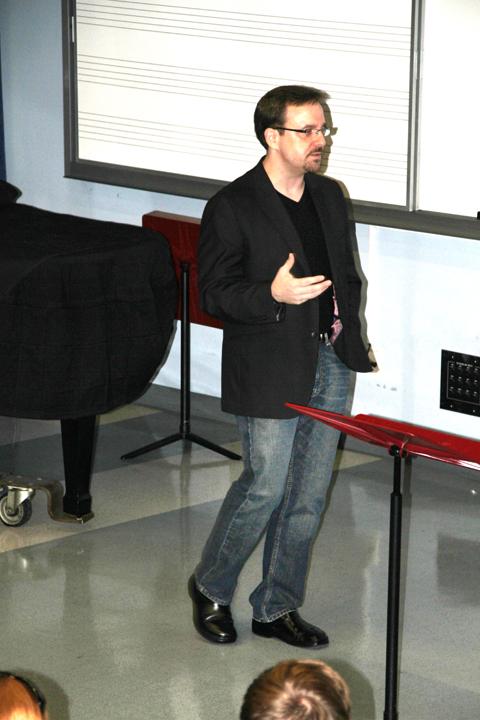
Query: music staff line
234	15
156	77
237	26
195	14
146	124
225	145
387	50
343	168
254	82
372	110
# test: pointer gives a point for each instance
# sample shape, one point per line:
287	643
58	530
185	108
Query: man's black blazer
270	351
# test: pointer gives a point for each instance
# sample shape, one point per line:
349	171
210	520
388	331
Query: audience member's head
297	690
20	699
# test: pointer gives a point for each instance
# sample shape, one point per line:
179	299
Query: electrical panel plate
460	383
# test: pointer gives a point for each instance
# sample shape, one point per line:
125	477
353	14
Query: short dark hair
297	690
270	110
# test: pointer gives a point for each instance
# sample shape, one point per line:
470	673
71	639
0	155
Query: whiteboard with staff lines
171	87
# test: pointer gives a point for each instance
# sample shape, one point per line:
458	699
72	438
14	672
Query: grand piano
86	314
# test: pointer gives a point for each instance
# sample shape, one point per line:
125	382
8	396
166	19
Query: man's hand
286	288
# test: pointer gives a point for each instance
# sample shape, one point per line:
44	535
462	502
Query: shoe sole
273	636
214	638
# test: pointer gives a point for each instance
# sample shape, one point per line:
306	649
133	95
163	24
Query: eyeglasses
32	689
309	132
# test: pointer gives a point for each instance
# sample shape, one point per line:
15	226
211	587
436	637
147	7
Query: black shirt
308	225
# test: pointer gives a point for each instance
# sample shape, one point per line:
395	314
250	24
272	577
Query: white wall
422	298
422	294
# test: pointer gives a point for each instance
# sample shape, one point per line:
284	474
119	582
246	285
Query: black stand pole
184	432
393	608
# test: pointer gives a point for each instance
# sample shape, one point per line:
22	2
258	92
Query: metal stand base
189	436
184	430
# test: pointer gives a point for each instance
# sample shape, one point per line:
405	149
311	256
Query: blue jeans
282	489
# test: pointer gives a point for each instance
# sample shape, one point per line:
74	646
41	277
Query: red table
401	439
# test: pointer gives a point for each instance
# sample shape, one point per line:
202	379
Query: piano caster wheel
20	516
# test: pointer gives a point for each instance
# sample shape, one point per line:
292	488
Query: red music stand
182	234
401	440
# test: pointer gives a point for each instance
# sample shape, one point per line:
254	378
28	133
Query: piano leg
78	436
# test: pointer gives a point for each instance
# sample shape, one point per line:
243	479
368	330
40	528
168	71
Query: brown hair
271	108
19	700
297	690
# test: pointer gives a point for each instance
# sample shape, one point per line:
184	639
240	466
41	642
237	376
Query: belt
324	338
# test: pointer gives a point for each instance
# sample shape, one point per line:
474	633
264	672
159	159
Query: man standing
276	266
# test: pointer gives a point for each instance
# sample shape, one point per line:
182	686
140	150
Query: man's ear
271	137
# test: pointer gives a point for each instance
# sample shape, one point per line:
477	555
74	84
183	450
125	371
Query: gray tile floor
99	614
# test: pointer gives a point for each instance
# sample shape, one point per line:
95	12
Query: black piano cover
86	312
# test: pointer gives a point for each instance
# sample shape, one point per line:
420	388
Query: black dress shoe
213	621
293	630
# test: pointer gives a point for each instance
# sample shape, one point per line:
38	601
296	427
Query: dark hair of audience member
297	690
